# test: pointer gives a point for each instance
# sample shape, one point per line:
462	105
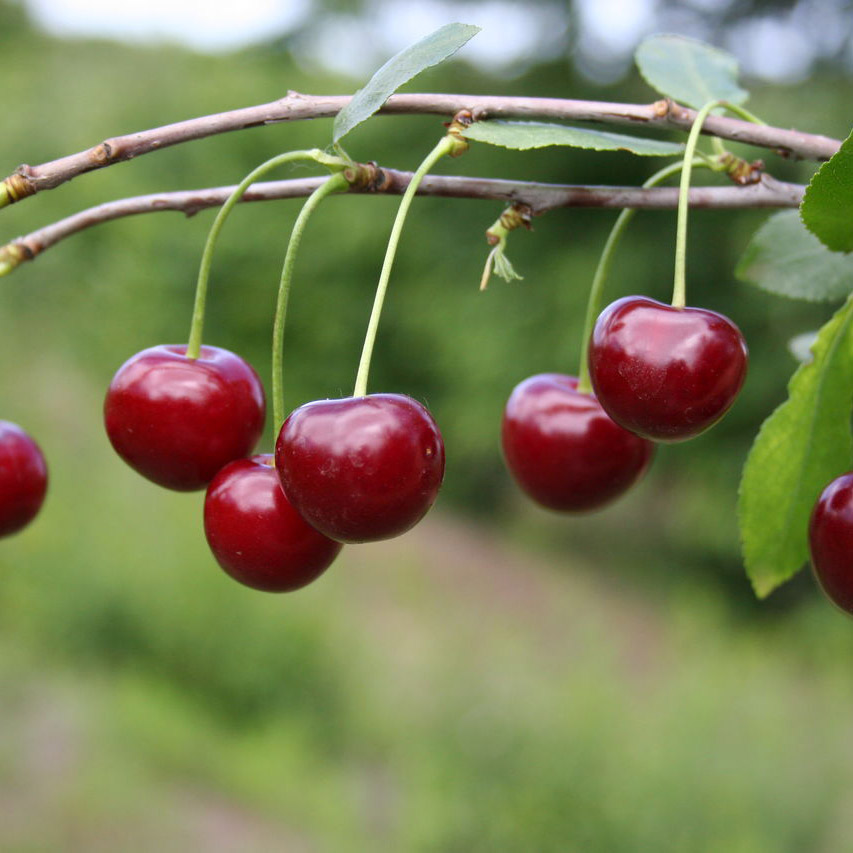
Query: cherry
178	420
665	373
831	541
256	535
23	478
361	468
563	449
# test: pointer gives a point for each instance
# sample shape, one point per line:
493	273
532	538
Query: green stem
593	306
679	287
445	146
197	325
745	114
336	183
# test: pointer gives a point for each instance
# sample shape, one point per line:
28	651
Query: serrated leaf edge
808	190
741	277
763	588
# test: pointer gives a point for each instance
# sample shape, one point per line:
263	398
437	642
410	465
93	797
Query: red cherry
665	373
178	420
256	535
563	449
831	541
361	468
23	478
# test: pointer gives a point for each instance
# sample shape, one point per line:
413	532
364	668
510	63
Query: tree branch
28	180
538	197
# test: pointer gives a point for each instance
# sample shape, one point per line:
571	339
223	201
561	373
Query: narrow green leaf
689	71
799	449
785	259
398	70
533	134
827	207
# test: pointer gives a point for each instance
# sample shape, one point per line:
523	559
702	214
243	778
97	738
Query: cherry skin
564	450
831	541
256	535
361	468
23	478
178	420
665	373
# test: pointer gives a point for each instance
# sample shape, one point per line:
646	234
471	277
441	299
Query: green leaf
689	71
398	70
827	207
803	445
785	259
522	135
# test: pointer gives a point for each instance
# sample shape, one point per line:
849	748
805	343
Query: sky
203	24
775	47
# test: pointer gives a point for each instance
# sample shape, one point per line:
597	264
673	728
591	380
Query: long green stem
197	324
336	183
445	146
679	287
596	291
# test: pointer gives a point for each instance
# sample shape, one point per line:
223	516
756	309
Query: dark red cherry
178	420
831	541
256	535
23	478
665	373
563	449
361	468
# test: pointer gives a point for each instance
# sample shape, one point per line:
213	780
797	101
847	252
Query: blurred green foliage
614	698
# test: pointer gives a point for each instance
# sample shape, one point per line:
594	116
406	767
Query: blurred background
501	678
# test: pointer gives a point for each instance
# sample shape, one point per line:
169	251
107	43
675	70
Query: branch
540	198
28	180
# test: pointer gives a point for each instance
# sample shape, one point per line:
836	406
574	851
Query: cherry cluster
357	469
658	374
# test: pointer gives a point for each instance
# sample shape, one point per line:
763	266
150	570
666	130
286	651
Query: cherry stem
679	287
745	114
596	291
718	146
197	325
446	145
336	183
